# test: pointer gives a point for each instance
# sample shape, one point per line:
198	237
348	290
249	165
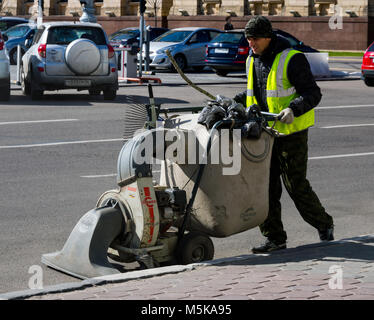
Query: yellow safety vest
279	92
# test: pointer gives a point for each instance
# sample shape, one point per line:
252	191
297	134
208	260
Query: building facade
117	8
323	24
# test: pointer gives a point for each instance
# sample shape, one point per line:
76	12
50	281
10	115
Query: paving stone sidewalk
338	270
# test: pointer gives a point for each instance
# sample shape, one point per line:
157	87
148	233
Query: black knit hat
258	27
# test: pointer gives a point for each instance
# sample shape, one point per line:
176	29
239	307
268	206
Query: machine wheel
195	247
369	82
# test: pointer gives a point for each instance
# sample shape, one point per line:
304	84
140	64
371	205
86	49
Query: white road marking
100	175
58	143
346	107
348	125
37	121
343	156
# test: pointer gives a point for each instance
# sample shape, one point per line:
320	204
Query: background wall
357	33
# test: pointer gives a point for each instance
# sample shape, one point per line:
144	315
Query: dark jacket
299	74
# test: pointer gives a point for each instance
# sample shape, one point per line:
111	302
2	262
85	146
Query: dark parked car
16	36
367	67
7	22
229	50
128	36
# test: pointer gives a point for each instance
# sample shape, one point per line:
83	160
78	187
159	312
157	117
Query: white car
4	72
186	45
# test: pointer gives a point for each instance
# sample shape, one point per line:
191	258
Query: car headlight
163	50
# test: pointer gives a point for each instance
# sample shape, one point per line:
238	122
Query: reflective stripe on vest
279	92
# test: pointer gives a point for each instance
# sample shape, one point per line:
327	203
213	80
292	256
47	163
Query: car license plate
77	83
220	50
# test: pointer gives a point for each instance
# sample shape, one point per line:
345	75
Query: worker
280	81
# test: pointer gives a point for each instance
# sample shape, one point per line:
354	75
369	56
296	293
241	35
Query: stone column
115	8
73	8
358	7
303	8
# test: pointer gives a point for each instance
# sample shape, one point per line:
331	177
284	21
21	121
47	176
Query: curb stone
149	273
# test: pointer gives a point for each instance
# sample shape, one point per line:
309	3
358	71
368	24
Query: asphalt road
59	155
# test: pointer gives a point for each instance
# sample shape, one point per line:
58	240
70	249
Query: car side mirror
5	37
28	43
301	43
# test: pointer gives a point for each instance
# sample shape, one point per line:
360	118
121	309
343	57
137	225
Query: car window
3	26
38	35
213	34
371	48
124	35
229	37
173	36
17	31
200	37
65	35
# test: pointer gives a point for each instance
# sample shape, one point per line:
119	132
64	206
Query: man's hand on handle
286	116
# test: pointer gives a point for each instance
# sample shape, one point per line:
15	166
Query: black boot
269	246
327	234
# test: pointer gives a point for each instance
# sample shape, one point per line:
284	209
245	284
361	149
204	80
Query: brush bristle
135	118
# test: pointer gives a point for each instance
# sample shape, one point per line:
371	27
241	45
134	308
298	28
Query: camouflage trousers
289	161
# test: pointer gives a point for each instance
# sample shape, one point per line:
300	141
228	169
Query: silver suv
4	73
66	55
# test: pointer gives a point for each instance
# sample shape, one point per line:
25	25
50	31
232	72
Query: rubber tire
13	60
221	73
94	92
369	82
5	92
110	94
36	94
194	247
181	62
25	85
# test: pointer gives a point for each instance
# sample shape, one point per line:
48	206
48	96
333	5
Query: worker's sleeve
241	98
302	79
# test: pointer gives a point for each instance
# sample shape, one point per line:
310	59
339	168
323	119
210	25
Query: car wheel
181	61
221	73
5	92
369	82
13	55
36	93
94	92
25	85
110	94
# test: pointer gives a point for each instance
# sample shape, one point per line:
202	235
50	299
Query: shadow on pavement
333	251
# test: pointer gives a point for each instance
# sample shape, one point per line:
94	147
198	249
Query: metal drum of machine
225	203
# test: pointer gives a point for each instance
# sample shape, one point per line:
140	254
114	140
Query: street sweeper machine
214	180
